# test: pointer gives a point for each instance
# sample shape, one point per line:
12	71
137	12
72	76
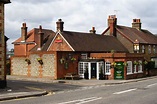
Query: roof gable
54	46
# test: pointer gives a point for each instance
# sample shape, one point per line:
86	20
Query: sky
78	15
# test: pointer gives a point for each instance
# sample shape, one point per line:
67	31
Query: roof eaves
106	30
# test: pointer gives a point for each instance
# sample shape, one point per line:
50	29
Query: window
107	68
139	66
129	67
136	48
154	50
83	66
84	56
143	49
149	49
135	68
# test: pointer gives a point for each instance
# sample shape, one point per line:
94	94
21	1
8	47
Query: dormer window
136	46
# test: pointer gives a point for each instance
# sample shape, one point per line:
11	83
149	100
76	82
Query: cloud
78	15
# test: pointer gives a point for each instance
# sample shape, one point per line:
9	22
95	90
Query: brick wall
2	43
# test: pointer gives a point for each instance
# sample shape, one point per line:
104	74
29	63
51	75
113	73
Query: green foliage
150	65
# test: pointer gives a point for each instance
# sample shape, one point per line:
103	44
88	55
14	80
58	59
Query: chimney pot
112	23
41	38
23	32
60	25
93	30
136	24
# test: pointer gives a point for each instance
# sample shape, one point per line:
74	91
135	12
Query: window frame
129	67
107	68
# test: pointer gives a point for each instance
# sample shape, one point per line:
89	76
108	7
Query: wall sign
58	40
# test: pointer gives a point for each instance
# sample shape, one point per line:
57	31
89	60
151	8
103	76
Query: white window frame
82	68
135	68
140	67
107	68
129	67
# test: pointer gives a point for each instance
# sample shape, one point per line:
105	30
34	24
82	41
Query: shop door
119	70
93	70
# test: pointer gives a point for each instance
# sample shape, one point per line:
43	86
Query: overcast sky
78	15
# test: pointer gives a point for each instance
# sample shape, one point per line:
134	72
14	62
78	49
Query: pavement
20	92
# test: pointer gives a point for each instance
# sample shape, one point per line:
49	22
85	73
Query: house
3	40
135	39
45	53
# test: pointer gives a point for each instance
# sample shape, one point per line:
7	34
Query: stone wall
20	67
49	64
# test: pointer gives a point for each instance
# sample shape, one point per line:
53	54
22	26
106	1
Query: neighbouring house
135	39
45	53
3	39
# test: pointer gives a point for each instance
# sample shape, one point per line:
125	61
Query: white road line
151	85
125	91
89	100
79	100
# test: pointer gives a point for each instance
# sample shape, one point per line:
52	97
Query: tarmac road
141	92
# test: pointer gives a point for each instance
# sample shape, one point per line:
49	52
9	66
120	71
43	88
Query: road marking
89	100
151	85
125	91
81	101
34	88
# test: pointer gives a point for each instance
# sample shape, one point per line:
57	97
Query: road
143	92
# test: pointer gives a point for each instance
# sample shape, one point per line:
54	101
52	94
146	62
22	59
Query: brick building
45	53
3	40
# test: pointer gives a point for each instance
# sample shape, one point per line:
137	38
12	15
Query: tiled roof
32	36
93	42
143	36
5	1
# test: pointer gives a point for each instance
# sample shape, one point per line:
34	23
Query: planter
40	61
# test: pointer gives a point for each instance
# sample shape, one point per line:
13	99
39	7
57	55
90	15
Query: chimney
23	32
60	25
136	24
93	30
112	23
41	38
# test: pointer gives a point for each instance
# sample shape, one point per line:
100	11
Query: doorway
93	70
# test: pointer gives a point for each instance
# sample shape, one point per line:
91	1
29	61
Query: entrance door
93	70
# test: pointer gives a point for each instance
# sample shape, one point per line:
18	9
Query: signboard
119	70
58	40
